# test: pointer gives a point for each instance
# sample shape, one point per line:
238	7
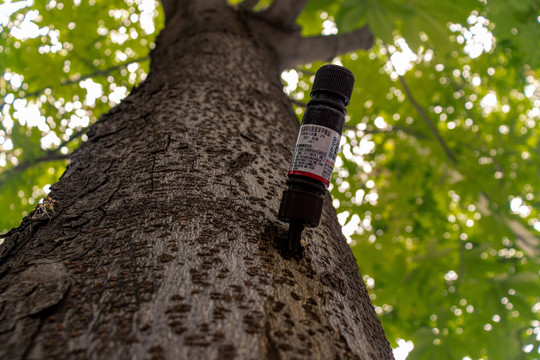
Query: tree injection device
316	150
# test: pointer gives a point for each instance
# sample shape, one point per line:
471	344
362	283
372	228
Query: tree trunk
161	238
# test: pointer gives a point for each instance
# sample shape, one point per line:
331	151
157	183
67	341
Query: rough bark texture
164	242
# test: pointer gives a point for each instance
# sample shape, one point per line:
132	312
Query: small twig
50	155
424	115
80	78
85	61
394	128
71	138
461	266
98	73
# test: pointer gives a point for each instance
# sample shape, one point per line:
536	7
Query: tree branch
71	138
461	266
50	155
249	4
102	72
525	239
295	49
394	128
80	78
424	115
284	12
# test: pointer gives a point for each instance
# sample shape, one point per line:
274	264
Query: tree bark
161	239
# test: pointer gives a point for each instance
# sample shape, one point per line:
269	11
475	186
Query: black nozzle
302	202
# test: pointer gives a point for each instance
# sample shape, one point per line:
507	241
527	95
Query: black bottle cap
336	79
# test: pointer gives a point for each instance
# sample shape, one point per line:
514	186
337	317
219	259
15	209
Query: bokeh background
437	185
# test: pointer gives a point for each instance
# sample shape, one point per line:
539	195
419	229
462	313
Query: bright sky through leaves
436	186
24	22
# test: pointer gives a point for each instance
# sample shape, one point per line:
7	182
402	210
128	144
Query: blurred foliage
63	65
447	240
437	184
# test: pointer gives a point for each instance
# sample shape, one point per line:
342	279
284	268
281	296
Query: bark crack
249	138
152	172
272	352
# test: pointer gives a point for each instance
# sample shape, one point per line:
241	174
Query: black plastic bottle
316	150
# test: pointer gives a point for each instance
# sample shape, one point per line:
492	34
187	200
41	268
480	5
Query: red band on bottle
313	176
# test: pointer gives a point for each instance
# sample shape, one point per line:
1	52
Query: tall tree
436	186
161	239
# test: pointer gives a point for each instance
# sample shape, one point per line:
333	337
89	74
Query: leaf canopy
437	182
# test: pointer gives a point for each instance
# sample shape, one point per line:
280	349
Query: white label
315	152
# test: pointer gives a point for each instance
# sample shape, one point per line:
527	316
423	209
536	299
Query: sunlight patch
403	349
403	60
477	38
